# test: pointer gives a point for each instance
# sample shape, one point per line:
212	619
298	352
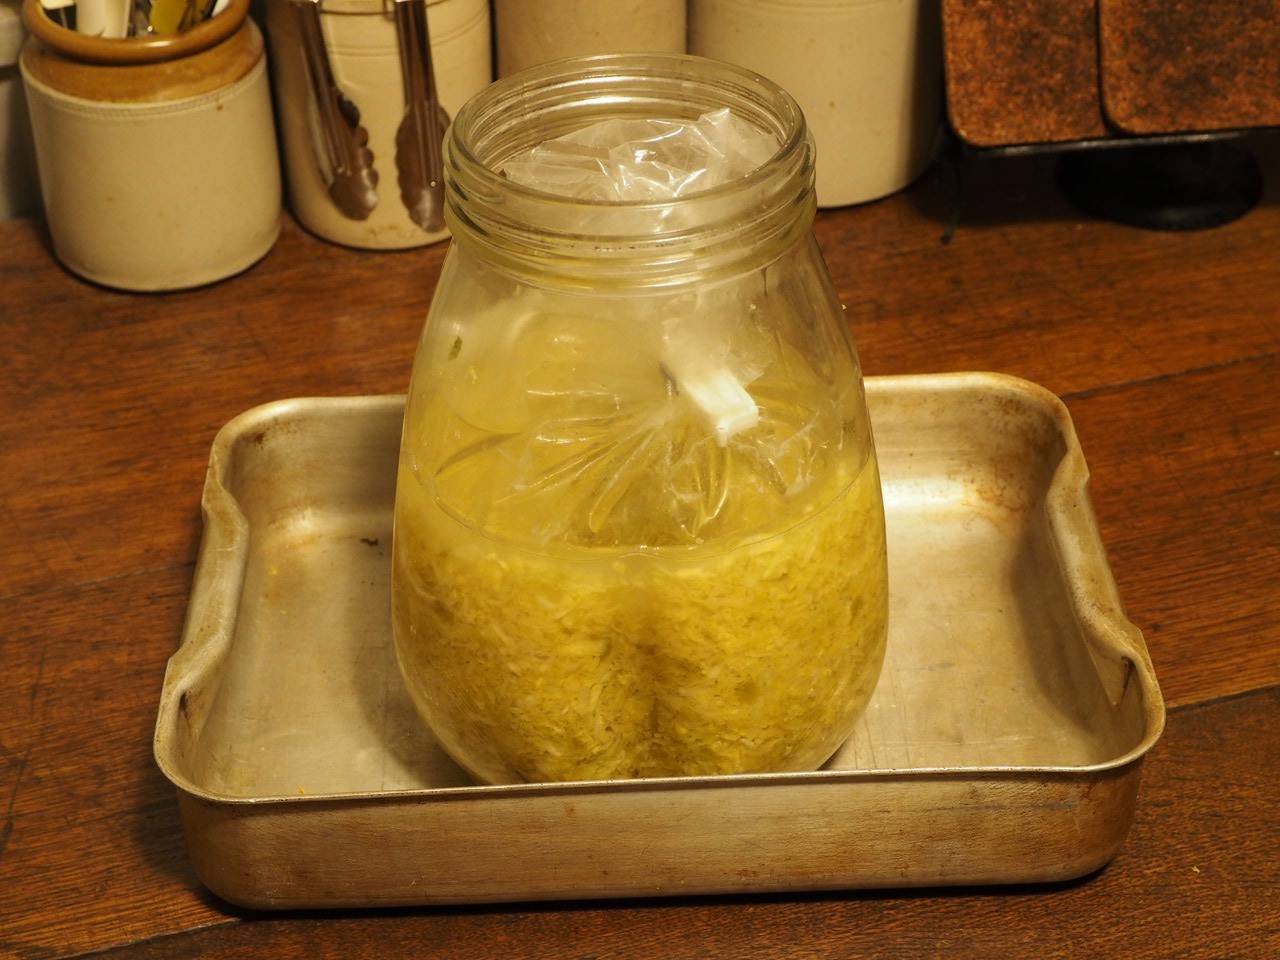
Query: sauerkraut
678	661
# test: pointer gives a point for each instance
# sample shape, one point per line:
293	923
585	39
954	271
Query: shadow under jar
597	573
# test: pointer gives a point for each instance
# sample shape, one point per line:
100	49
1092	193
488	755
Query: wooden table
1165	346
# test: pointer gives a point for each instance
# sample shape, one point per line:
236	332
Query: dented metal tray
1003	743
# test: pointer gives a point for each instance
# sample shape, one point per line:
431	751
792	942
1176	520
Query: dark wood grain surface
1166	347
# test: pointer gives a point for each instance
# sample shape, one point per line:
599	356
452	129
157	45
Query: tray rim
223	554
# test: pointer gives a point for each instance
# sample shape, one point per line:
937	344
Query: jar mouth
516	221
605	76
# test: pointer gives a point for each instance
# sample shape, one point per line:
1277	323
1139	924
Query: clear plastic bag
628	160
638	159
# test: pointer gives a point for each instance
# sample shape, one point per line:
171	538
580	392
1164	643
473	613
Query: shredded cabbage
534	667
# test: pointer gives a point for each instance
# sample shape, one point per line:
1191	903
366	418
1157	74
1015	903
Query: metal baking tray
1003	743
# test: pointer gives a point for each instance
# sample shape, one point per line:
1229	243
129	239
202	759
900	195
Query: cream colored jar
360	37
157	157
537	31
867	74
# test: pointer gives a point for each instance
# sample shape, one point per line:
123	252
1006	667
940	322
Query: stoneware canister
530	32
360	42
867	73
157	155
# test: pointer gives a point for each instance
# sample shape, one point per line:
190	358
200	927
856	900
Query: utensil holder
157	155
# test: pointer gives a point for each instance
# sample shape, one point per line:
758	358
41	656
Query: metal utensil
419	158
346	162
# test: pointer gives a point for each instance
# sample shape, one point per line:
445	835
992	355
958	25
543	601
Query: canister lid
11	32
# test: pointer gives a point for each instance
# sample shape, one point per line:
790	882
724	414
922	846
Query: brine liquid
588	586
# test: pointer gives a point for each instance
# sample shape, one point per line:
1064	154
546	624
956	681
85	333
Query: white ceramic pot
867	73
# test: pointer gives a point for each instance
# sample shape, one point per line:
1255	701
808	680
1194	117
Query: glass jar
638	527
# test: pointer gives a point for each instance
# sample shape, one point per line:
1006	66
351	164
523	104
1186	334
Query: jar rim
536	230
598	65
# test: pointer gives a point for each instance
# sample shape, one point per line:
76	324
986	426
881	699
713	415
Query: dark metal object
1112	143
1178	186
